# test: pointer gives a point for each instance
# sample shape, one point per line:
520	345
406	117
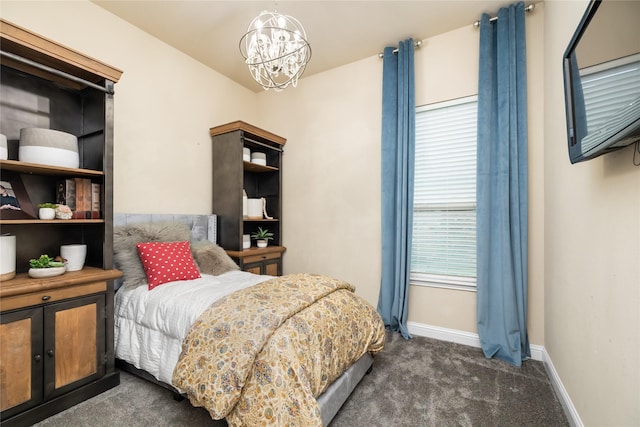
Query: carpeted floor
417	382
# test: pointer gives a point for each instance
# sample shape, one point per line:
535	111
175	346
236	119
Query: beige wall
592	256
331	172
165	104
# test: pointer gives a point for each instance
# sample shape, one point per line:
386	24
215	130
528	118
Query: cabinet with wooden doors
56	333
235	173
53	346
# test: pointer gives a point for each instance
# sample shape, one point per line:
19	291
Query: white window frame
436	280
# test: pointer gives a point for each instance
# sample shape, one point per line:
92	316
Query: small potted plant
45	266
262	237
47	210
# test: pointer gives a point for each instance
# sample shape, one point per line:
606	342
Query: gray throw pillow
211	258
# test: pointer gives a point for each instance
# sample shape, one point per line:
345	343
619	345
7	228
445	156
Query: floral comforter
261	356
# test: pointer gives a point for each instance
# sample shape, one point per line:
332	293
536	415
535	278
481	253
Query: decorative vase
262	243
74	256
39	273
46	213
254	208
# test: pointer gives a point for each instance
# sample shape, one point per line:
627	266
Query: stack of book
82	196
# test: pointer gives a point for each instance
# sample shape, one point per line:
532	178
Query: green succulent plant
45	261
262	234
48	205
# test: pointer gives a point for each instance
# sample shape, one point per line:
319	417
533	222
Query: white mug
75	256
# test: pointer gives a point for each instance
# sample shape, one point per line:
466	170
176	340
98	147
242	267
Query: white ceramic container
46	213
75	256
259	158
254	208
48	147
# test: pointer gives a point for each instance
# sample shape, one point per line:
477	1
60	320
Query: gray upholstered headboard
203	227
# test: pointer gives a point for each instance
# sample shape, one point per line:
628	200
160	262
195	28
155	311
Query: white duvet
151	325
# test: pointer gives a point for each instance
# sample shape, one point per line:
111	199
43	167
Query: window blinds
444	217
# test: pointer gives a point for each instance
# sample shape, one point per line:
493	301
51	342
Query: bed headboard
203	227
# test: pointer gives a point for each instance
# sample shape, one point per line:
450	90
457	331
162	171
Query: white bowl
48	147
39	273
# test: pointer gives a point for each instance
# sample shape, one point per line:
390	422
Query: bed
251	349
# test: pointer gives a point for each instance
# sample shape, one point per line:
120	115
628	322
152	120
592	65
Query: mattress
151	325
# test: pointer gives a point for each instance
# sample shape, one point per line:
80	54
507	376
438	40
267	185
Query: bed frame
203	227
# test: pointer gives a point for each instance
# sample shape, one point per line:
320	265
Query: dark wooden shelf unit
56	334
232	175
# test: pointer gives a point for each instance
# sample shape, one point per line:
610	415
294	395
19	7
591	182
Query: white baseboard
563	396
461	337
538	353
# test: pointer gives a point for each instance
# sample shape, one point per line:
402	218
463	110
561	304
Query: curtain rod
528	8
415	44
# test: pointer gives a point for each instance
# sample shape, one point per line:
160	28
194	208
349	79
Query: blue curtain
398	142
502	196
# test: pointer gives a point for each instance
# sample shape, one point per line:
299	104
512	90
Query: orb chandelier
276	50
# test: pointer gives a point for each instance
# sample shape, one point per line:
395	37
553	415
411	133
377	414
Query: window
444	210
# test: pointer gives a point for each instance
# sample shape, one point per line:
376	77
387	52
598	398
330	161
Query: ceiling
339	32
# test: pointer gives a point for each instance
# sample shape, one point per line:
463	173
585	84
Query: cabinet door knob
37	358
46	298
50	352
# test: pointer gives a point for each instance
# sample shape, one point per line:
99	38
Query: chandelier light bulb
276	50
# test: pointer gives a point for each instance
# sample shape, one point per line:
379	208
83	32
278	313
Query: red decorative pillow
165	262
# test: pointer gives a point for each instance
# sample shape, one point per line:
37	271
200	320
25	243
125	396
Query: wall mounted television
602	80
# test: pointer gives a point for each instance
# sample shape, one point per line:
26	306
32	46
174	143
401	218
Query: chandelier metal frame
276	50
